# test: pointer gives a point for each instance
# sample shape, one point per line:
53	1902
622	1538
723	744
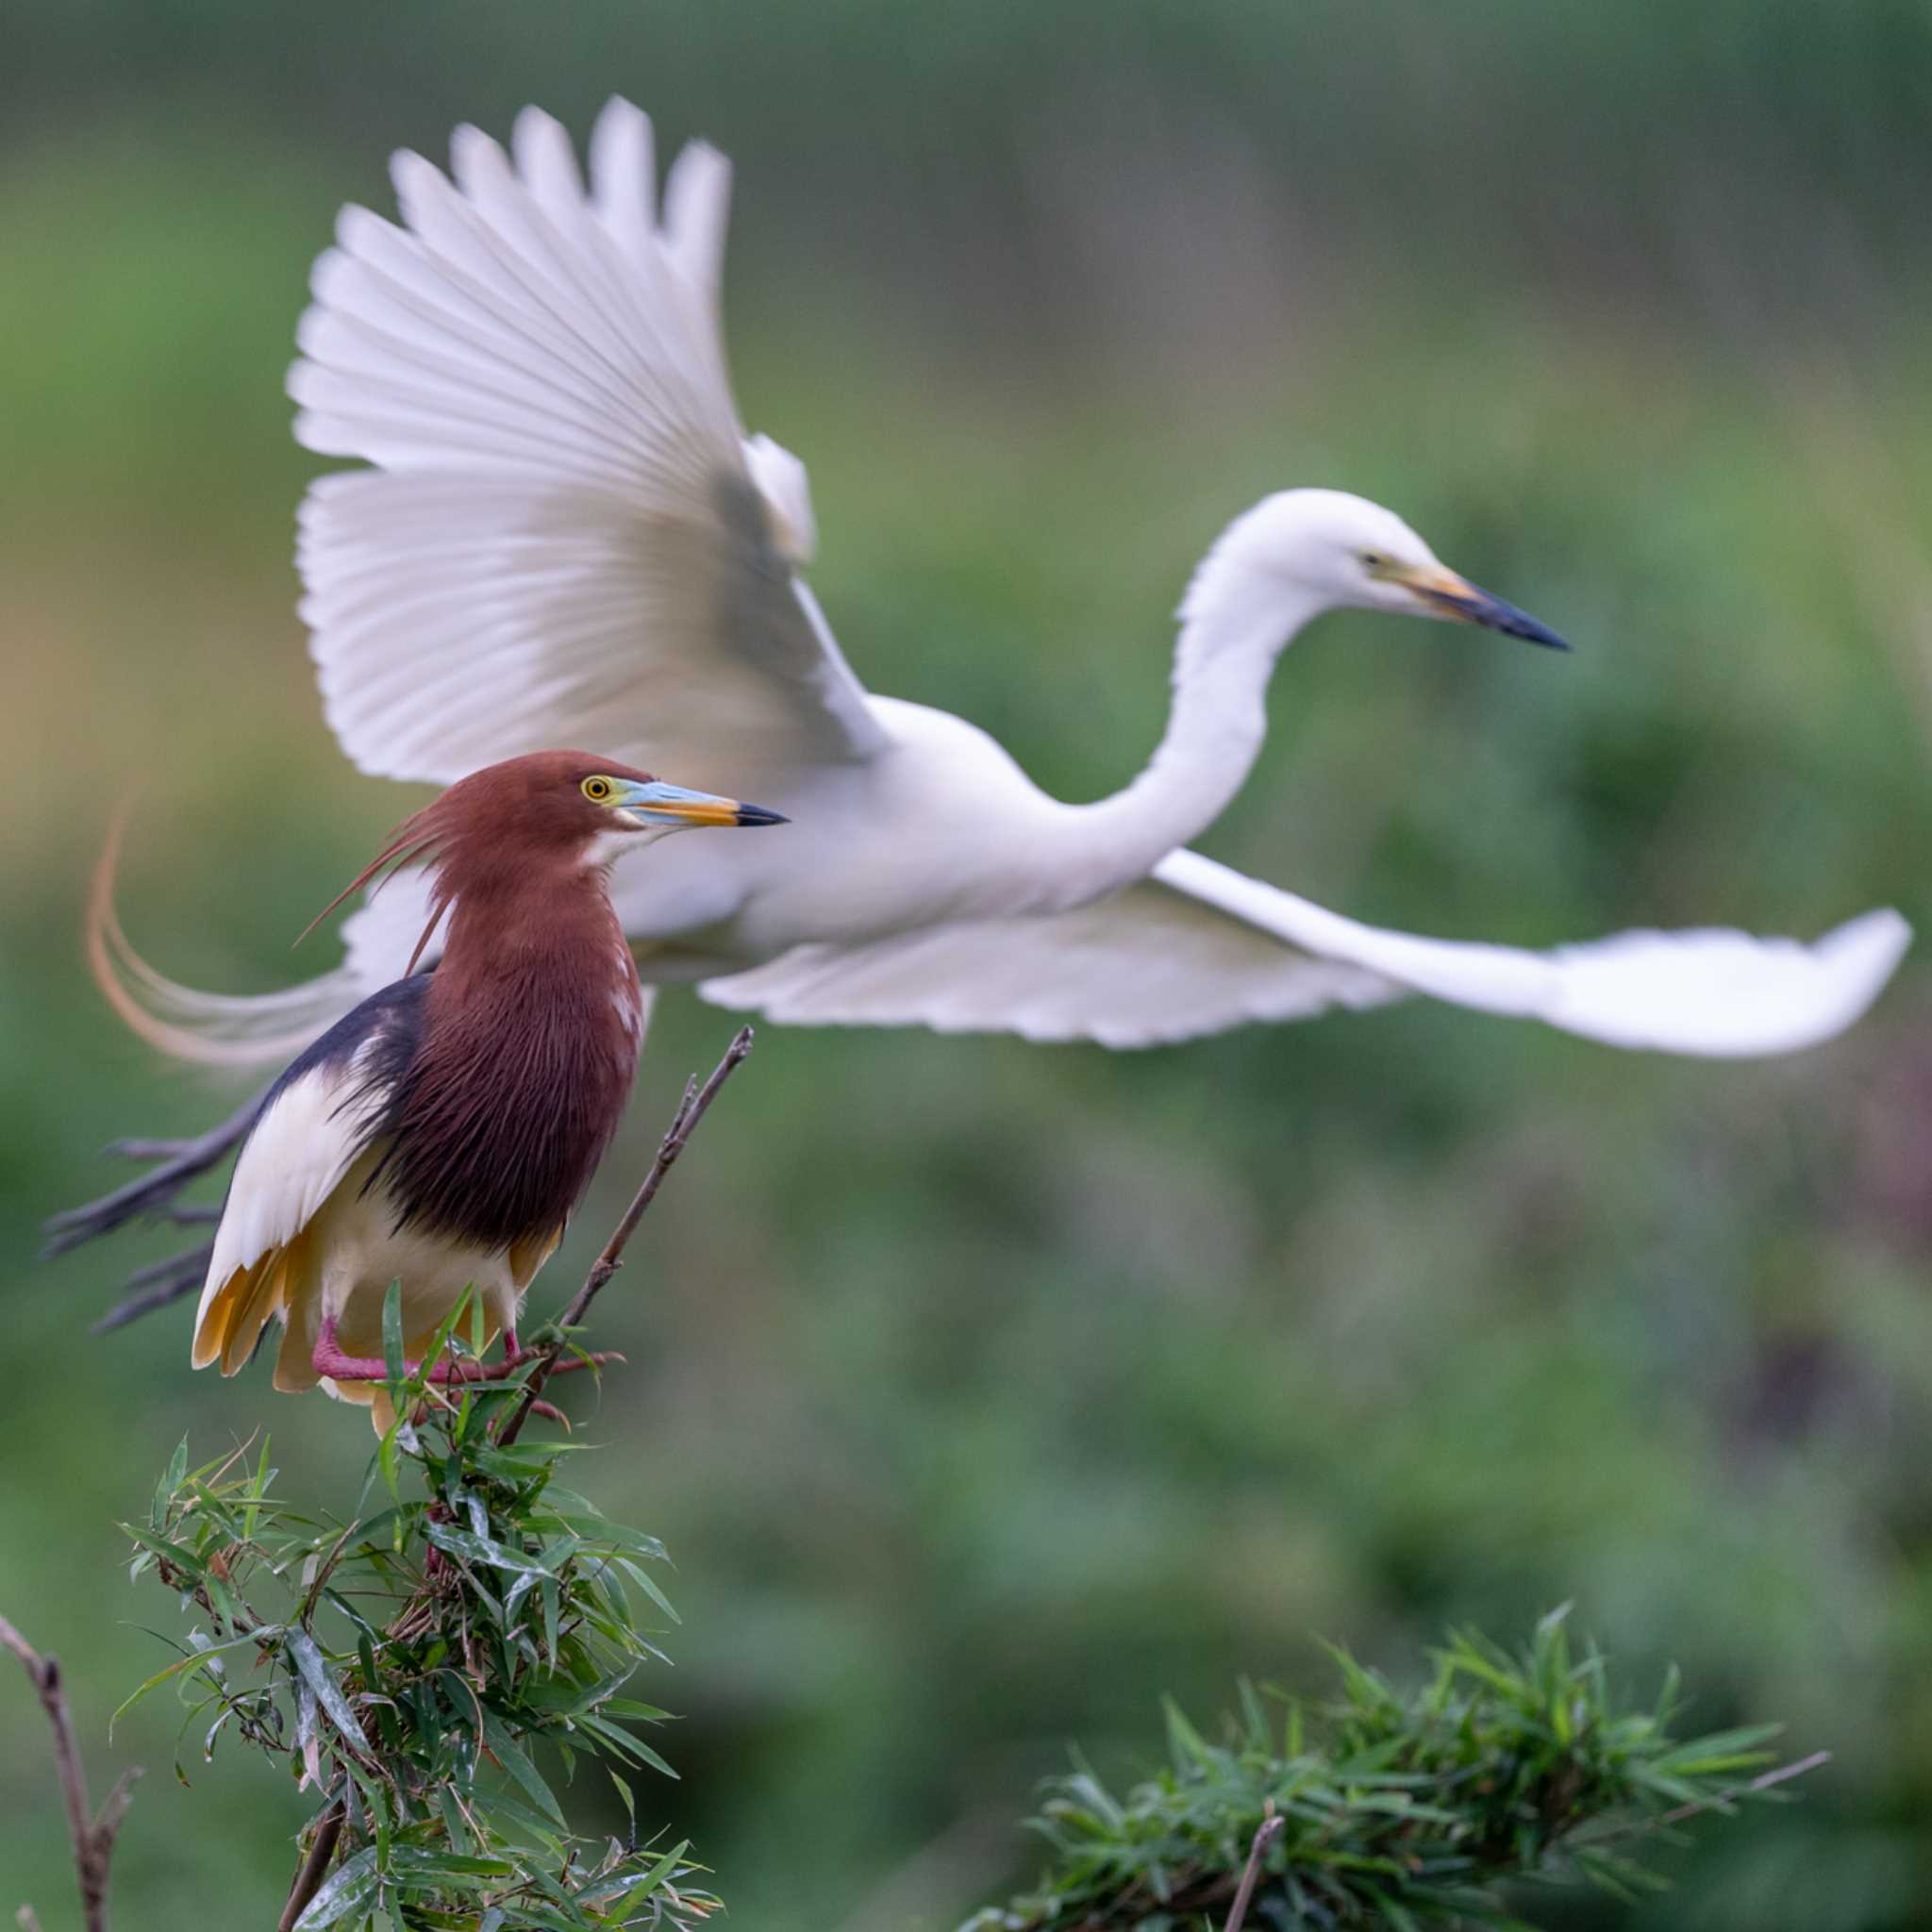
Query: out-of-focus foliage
1393	1810
409	1665
986	1392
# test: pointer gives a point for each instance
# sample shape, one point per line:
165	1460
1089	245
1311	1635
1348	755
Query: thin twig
321	1848
93	1836
1265	1834
691	1110
1718	1801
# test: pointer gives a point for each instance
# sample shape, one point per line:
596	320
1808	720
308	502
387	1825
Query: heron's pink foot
330	1361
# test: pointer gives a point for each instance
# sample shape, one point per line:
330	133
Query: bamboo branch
315	1867
93	1835
1718	1801
691	1110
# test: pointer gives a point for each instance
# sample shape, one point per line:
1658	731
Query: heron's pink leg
328	1360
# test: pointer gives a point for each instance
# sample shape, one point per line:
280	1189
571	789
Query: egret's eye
1376	562
598	791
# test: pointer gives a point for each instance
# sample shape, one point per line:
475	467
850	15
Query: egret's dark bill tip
757	815
1497	615
1494	614
1537	634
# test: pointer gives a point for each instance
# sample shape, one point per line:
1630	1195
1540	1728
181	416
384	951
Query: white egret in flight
561	535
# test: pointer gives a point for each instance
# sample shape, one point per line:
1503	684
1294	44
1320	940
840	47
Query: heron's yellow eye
598	791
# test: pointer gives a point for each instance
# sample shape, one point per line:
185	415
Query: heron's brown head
563	806
548	814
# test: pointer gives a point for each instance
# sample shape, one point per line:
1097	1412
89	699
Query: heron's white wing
565	538
307	1137
1198	948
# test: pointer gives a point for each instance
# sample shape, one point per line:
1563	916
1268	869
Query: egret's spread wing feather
1710	993
1198	948
1147	966
565	538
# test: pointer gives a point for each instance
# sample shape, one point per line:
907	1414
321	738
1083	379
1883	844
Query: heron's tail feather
216	1029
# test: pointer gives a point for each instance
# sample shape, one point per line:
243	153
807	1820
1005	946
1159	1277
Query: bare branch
93	1837
1265	1835
691	1110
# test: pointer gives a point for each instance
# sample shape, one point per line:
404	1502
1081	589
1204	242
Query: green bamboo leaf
173	1553
460	1836
510	1756
201	1655
417	1861
547	1589
351	1890
171	1481
645	1583
393	1361
598	1529
315	1672
482	1549
637	1885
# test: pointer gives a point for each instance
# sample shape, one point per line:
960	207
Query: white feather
567	539
1198	948
1144	967
293	1159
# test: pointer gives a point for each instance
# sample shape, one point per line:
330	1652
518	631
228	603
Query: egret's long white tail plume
260	1030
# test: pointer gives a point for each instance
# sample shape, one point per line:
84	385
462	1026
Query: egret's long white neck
1236	620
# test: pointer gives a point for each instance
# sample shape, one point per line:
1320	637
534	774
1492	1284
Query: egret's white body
564	537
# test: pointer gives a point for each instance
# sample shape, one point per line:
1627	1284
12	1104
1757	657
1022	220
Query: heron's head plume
547	814
1312	550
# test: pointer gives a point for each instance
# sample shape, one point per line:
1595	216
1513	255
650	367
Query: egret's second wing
1708	992
1148	966
565	538
1198	948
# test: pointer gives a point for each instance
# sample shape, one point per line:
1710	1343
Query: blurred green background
985	1392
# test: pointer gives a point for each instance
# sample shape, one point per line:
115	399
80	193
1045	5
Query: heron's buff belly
364	1252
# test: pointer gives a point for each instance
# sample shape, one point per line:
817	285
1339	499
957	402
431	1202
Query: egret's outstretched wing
565	538
1198	948
1148	966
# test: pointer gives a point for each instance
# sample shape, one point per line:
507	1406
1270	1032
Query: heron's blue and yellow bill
1444	592
654	803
